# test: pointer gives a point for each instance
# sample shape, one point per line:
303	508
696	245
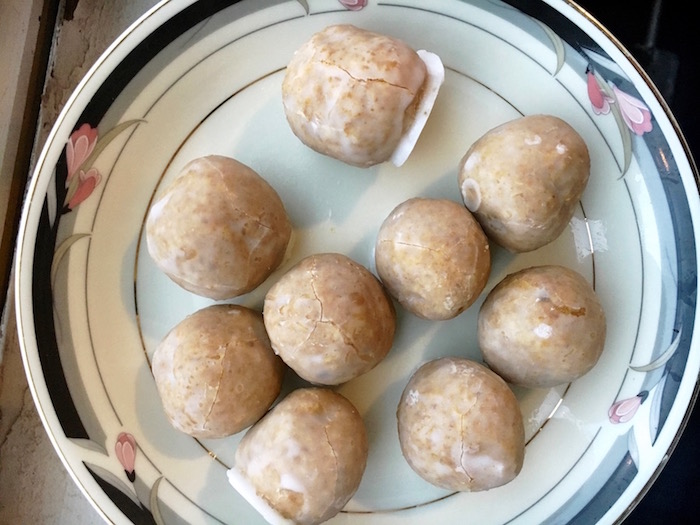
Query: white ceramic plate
196	78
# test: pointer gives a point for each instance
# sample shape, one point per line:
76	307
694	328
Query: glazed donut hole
523	179
329	319
541	327
304	460
219	229
460	426
215	371
433	257
360	97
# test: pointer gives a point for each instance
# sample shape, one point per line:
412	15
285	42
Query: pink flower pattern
635	114
125	448
354	5
624	410
79	147
599	100
88	181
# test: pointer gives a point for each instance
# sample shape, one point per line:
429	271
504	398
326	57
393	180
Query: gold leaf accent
61	251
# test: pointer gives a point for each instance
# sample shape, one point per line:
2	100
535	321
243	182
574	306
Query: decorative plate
192	78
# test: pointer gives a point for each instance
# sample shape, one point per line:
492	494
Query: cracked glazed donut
523	179
219	229
460	426
542	326
329	319
303	461
215	371
358	96
433	257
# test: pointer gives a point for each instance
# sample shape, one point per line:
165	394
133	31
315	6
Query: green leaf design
73	187
153	503
61	251
104	141
626	138
305	5
557	44
663	358
89	444
115	481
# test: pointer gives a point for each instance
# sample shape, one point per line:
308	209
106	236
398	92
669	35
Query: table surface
34	486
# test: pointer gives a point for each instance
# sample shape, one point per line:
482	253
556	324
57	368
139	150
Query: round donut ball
215	371
460	426
329	319
305	458
433	257
219	229
523	179
541	327
358	96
